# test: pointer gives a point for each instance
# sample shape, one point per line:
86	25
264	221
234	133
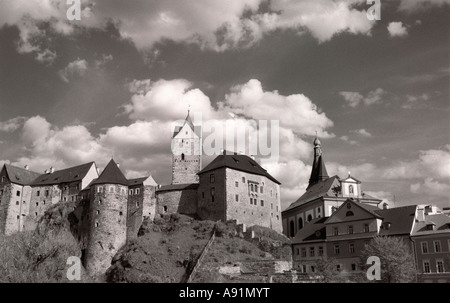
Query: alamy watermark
374	271
256	138
374	12
74	10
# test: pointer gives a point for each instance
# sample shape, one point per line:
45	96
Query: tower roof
318	171
111	175
196	129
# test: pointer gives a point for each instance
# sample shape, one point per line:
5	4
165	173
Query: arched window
349	213
350	189
309	218
300	223
182	157
291	229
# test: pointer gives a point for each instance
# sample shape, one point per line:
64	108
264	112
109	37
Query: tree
327	271
397	261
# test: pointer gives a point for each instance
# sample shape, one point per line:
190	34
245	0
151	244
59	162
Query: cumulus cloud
213	24
354	99
362	132
416	101
397	29
348	140
74	68
12	125
431	186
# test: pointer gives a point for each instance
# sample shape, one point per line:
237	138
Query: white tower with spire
186	152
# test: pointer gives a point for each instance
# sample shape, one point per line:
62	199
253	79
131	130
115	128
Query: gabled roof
19	175
238	162
372	210
441	222
351	178
142	181
321	189
111	175
400	218
196	129
76	173
315	230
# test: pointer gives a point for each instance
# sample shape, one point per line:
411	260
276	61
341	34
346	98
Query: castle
109	208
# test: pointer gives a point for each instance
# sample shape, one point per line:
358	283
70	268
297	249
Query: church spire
319	171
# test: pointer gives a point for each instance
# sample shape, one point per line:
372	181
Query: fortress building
109	208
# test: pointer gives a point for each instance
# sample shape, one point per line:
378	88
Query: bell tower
186	152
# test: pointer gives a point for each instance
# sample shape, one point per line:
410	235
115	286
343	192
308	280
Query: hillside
168	248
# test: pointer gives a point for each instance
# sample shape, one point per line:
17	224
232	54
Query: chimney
420	215
52	170
385	205
26	167
118	164
46	171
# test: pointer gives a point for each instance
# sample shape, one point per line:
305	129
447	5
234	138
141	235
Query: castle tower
108	219
186	152
318	171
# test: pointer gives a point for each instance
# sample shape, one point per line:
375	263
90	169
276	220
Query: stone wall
41	199
108	226
135	210
149	202
185	171
182	201
207	208
257	207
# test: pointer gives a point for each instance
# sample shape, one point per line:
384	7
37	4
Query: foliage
326	271
397	261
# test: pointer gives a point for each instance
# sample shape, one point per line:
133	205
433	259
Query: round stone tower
107	219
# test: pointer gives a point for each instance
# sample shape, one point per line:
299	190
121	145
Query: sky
112	84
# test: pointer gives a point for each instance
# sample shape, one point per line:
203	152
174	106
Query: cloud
396	29
414	5
347	139
104	60
362	132
12	124
416	101
75	68
354	99
431	186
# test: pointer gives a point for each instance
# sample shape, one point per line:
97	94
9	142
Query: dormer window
430	226
350	189
386	225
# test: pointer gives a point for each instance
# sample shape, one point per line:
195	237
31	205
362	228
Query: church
323	196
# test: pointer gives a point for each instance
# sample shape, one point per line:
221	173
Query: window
261	190
311	252
236	184
97	224
243	179
137	191
165	209
437	246
351	248
303	252
182	157
18	193
98	212
130	192
111	189
366	228
213	192
100	202
338	267
43	202
46	192
304	268
3	179
18	217
349	214
137	204
38	193
256	188
350	229
36	214
309	218
336	249
262	202
212	178
440	266
336	231
203	195
99	189
300	222
350	189
271	192
237	198
424	246
17	202
291	229
426	267
353	266
251	187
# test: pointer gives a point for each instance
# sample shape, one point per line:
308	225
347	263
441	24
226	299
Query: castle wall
135	210
149	203
185	171
257	207
108	226
41	199
11	208
177	201
209	209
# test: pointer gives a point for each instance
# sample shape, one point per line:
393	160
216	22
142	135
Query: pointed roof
314	230
71	174
20	175
401	219
196	129
237	162
318	171
111	175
